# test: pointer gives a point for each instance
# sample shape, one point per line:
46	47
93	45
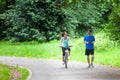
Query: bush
44	20
81	16
113	25
32	20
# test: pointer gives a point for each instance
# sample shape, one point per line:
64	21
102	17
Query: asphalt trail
54	70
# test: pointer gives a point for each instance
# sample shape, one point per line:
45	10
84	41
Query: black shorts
63	50
89	52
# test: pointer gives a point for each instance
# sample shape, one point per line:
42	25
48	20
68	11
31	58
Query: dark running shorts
63	50
89	52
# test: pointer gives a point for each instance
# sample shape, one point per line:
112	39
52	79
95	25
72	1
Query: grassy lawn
105	51
24	72
6	72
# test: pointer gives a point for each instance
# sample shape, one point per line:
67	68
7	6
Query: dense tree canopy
44	20
2	6
32	20
113	25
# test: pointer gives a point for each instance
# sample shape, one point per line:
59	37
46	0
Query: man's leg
92	59
88	59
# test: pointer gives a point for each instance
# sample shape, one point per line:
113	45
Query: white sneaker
92	65
89	66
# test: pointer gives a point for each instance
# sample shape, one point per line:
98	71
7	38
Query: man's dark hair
90	30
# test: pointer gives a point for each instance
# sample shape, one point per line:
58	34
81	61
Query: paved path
54	70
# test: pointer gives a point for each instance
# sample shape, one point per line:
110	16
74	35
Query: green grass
24	72
5	72
31	49
106	52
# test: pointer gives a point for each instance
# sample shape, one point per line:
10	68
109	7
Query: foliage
81	16
51	50
32	20
2	9
44	20
2	6
113	25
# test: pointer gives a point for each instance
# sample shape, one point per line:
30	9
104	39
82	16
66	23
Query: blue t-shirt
90	39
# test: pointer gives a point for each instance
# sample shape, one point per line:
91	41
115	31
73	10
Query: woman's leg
63	53
68	51
62	58
68	55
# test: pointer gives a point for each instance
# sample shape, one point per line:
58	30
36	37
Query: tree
44	20
113	25
32	20
2	9
81	16
2	6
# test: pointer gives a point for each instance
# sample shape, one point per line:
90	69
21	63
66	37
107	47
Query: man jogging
89	40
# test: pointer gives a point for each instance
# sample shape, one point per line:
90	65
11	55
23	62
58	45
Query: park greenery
44	20
6	72
32	28
106	52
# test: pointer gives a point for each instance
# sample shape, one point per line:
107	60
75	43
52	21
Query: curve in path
54	70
